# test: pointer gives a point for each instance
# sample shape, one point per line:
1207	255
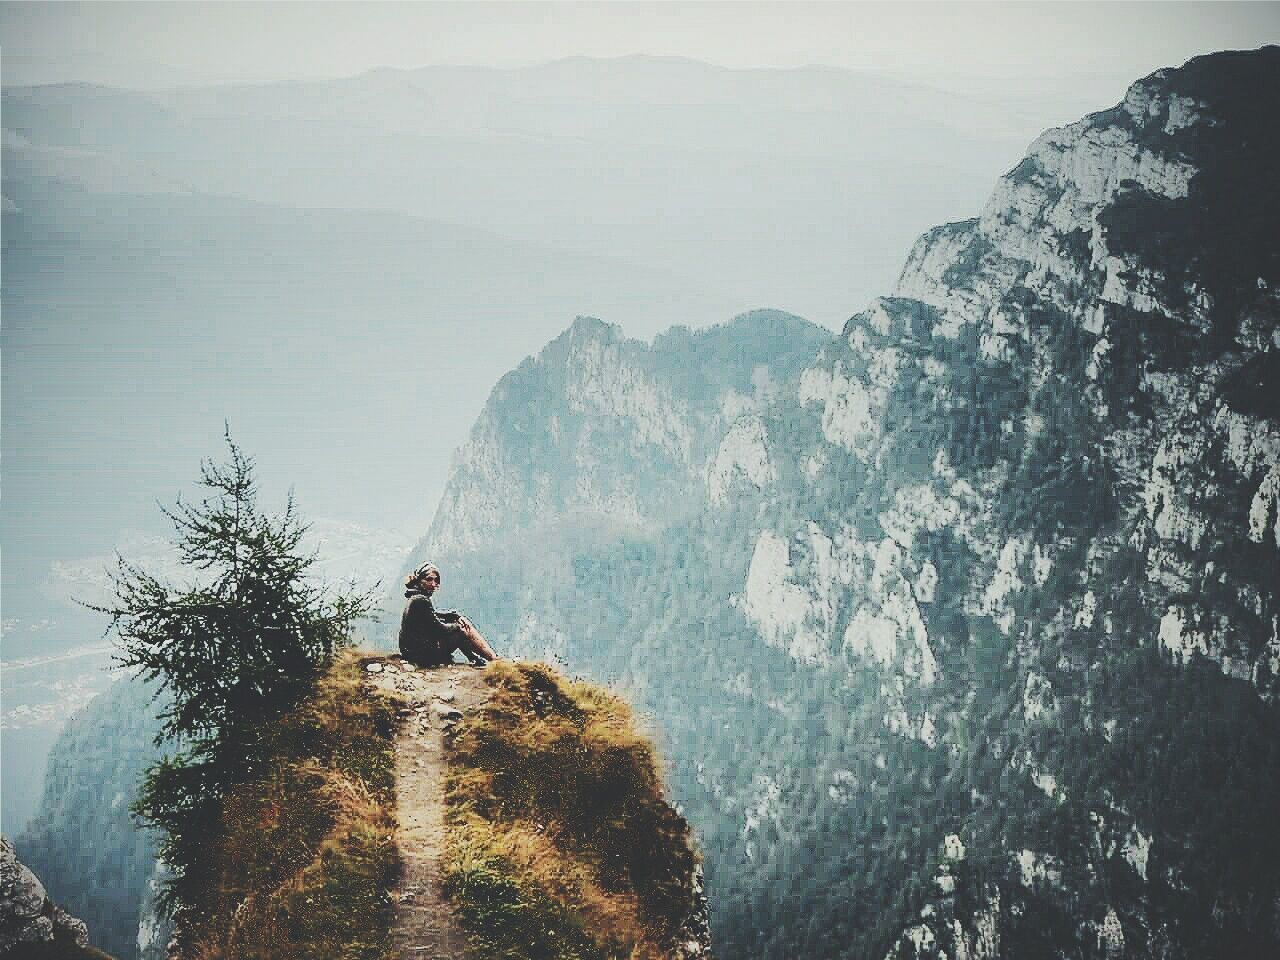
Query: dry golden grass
306	855
562	844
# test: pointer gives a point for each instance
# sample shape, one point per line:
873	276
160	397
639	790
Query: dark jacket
427	637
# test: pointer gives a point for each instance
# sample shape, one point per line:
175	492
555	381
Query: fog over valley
880	398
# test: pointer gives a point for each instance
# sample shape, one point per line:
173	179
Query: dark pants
432	652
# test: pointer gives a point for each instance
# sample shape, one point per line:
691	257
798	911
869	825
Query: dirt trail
425	928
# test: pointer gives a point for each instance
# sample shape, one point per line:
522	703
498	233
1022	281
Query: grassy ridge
306	856
561	844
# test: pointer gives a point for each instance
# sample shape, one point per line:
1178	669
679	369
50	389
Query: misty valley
955	630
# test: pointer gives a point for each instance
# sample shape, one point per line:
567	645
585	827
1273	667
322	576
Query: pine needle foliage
232	650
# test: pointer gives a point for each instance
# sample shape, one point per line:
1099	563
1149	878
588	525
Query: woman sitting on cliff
428	638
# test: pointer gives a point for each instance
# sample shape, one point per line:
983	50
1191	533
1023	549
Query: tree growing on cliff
232	650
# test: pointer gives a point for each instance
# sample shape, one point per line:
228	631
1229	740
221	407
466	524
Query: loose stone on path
437	698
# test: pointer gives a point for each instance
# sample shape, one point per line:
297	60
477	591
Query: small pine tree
232	651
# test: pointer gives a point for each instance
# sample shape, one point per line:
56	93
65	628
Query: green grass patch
510	920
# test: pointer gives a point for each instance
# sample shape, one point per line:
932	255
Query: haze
337	226
150	45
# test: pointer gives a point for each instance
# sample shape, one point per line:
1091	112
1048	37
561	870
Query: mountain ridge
1004	523
960	624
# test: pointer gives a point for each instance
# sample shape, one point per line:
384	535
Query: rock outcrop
84	842
28	917
532	821
948	625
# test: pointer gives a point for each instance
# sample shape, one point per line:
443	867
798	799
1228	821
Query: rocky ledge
27	915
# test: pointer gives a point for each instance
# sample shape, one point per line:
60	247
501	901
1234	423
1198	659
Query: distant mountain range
958	628
962	632
342	269
313	261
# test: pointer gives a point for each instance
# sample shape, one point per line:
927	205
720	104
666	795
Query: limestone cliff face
84	842
155	929
1118	385
940	619
959	628
1086	227
613	430
28	918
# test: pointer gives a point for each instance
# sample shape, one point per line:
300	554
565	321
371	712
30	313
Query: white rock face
1068	177
1088	610
1041	231
1005	582
21	891
921	937
887	628
1037	698
1137	850
1181	642
986	940
1111	935
27	916
849	409
621	507
1166	492
843	786
476	505
602	382
869	636
1183	112
608	395
743	456
919	507
1253	444
1046	783
154	930
766	805
1038	868
1264	507
794	614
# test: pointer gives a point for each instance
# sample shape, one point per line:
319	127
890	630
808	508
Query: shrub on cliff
234	649
302	861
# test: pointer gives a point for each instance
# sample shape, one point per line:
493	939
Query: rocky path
425	928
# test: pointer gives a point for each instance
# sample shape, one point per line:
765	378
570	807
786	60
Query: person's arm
446	622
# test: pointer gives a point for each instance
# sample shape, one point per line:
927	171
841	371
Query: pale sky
160	44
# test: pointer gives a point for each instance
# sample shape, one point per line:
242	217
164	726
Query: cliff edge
452	813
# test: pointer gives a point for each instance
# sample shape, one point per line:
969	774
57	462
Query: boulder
27	915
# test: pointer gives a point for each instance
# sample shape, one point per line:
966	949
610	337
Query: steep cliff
84	843
533	822
610	430
556	838
31	925
964	628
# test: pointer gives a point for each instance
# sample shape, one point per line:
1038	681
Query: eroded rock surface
27	915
